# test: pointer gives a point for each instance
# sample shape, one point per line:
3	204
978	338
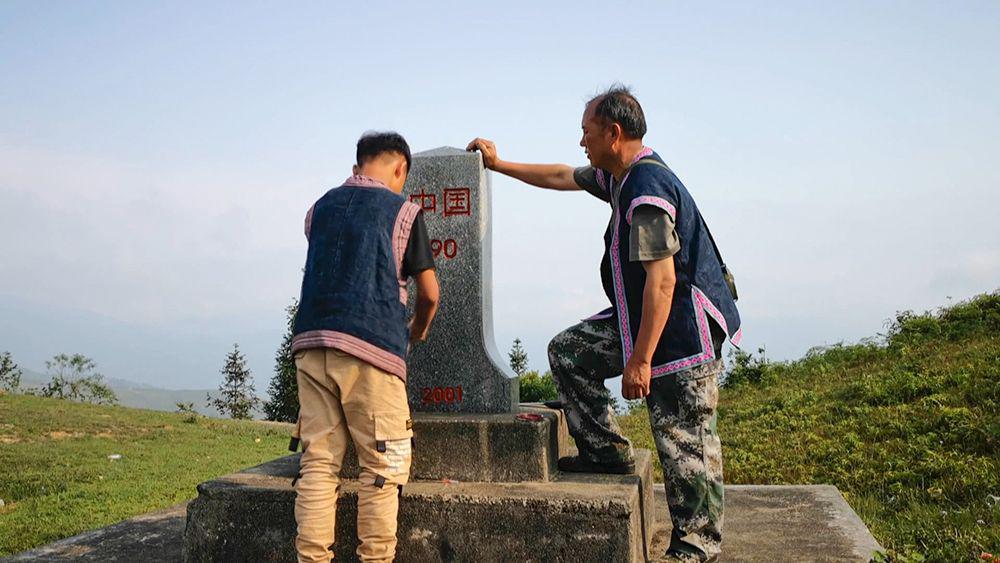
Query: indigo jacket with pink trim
700	296
353	293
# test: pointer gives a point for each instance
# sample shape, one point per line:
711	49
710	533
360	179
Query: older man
672	309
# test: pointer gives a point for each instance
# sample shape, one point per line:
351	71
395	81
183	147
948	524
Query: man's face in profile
596	140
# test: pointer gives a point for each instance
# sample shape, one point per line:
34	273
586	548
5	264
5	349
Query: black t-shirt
418	256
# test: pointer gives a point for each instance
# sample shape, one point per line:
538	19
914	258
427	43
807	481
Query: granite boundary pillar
458	368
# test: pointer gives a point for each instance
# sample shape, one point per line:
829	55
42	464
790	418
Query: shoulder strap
703	222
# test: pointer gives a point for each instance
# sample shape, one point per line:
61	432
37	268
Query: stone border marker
458	369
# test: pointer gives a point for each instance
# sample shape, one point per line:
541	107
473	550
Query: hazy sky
156	160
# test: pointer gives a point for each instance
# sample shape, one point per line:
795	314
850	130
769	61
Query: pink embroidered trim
737	338
386	361
703	306
599	174
646	151
401	236
616	266
309	220
650	200
364	182
600	316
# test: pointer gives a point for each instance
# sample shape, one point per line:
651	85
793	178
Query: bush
747	369
537	388
74	378
187	409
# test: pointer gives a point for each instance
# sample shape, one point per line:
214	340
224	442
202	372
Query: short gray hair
618	105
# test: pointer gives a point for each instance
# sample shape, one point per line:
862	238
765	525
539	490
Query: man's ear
400	171
356	170
616	131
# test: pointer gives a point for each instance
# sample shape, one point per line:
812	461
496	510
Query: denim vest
353	294
700	292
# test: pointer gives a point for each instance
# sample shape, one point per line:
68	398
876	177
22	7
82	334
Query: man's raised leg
582	357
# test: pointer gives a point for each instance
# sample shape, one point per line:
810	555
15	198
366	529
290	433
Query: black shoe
577	464
557	405
682	552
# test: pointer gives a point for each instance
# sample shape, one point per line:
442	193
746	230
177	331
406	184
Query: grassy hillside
907	428
139	395
56	478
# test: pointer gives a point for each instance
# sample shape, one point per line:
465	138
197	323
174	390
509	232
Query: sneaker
577	464
684	557
678	556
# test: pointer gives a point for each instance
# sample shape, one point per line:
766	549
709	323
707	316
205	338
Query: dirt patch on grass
9	440
60	435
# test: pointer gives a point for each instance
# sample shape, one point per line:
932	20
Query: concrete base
491	448
766	524
248	516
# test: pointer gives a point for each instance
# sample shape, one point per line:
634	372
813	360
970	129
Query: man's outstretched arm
550	176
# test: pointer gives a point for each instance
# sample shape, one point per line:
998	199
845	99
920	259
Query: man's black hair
375	143
618	105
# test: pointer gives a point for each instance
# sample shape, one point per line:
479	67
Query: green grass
56	479
906	428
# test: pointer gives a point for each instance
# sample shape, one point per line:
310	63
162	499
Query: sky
157	159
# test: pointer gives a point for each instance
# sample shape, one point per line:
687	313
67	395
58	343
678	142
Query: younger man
350	343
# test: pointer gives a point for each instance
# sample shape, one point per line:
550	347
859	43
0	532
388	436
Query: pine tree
283	404
10	374
518	358
237	396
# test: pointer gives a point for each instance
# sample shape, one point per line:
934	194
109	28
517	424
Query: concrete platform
248	516
767	524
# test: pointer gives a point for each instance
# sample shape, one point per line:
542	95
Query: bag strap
703	222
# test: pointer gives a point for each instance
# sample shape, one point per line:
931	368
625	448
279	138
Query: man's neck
624	158
379	173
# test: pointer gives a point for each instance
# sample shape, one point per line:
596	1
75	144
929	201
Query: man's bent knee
560	349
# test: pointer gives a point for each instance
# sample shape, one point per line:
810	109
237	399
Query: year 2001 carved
432	395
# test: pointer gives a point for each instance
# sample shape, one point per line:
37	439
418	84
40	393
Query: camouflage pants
683	420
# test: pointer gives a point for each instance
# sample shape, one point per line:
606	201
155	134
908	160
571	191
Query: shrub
536	388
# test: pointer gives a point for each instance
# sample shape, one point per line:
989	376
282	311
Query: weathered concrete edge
842	516
166	546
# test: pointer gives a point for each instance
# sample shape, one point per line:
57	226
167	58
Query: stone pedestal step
764	524
488	448
248	516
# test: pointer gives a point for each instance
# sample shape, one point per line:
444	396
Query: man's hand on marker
487	149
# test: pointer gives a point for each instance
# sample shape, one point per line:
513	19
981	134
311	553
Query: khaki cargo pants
342	398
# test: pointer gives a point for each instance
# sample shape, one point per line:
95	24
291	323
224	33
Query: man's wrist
640	360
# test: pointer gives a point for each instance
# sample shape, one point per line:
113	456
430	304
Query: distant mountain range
140	395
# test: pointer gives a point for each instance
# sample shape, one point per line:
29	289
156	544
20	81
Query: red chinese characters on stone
426	201
457	201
